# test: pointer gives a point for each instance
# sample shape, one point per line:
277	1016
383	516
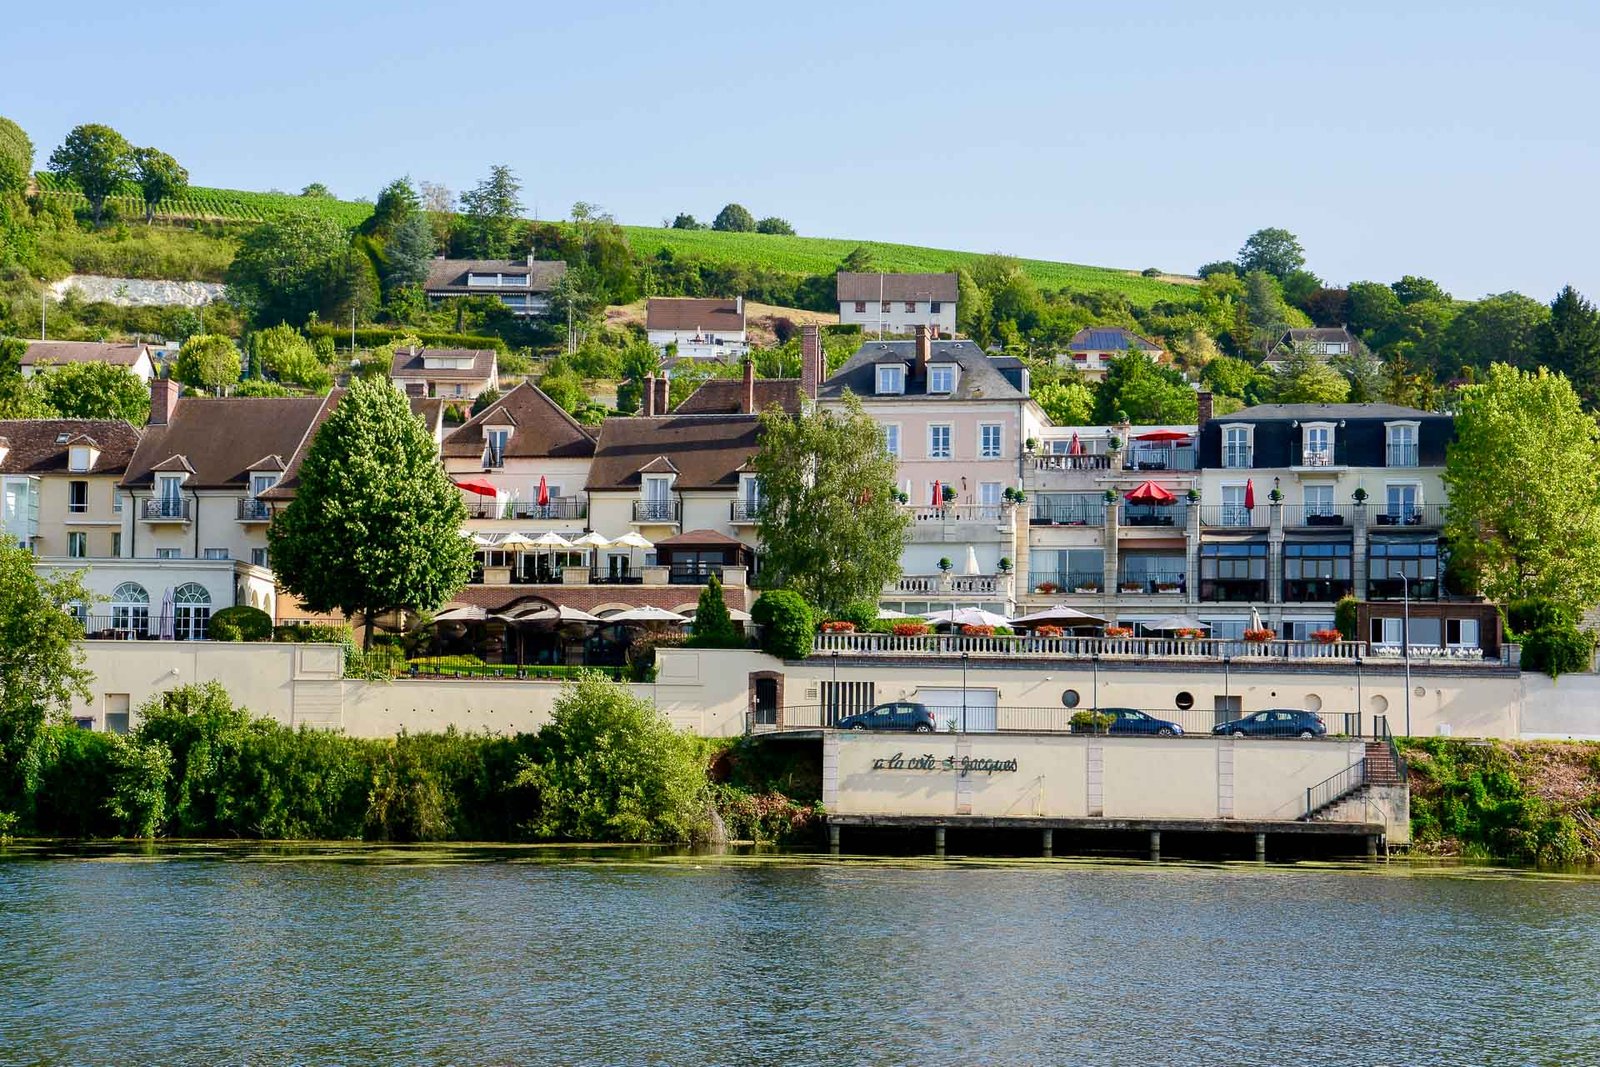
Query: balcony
988	585
564	507
1327	457
1063	462
1157	458
1083	514
164	509
1159	583
1052	582
1401	455
745	512
1384	588
668	512
1415	516
1318	515
253	510
1234	516
951	646
1169	516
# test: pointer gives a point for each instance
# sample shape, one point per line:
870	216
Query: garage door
946	705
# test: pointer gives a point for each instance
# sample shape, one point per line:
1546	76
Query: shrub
242	623
1344	616
945	564
311	632
978	630
839	626
713	624
1536	613
1087	722
1557	650
910	629
1004	631
785	621
864	613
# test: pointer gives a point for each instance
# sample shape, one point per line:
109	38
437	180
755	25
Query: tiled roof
692	313
449	276
896	286
115	353
725	396
35	446
409	364
540	428
220	438
705	450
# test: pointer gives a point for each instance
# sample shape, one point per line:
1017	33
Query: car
1129	722
901	715
1275	722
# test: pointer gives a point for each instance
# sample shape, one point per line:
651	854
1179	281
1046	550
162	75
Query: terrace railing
1027	646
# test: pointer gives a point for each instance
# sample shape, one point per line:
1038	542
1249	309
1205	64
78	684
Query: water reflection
212	953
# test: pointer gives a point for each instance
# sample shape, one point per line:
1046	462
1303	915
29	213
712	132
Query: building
523	285
1323	342
133	356
957	420
453	373
746	396
896	303
59	495
697	328
1092	348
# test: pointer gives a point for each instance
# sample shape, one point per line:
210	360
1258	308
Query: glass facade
1234	571
1316	572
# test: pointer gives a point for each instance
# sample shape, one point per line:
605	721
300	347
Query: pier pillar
1261	848
1155	846
938	841
1372	846
1047	843
833	839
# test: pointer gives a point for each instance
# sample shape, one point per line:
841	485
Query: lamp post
1405	637
1358	693
833	690
44	298
1095	706
963	692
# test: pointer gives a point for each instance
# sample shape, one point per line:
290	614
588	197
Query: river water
511	956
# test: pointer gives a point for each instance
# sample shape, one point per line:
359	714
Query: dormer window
494	454
1401	444
891	379
1236	447
80	457
942	378
1316	444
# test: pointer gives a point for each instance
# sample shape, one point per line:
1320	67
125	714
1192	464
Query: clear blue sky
1454	140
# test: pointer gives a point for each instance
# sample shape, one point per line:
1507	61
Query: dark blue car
1275	722
901	715
1127	722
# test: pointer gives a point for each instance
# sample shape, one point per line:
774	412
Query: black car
901	715
1128	722
1275	722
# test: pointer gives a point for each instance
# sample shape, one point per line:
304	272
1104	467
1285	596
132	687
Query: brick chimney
810	360
663	395
748	404
163	400
647	400
924	349
1203	406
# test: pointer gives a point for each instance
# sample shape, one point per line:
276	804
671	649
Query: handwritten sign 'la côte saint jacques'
959	765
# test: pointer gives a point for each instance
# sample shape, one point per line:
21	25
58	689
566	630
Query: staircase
1337	798
1381	766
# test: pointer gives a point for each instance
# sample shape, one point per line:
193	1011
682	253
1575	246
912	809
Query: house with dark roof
58	485
521	464
1323	342
747	395
135	357
523	285
1092	348
697	328
453	373
896	303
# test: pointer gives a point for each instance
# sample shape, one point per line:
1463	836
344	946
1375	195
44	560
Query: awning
1149	493
1173	623
480	488
1063	614
1163	435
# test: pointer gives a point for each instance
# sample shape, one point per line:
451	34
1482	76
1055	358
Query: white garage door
946	705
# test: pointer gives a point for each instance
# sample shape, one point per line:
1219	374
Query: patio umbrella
733	613
1249	494
480	488
1061	614
632	539
551	539
544	493
645	613
1076	448
1175	622
967	617
592	540
560	614
1149	493
1255	620
1163	435
467	613
515	542
165	628
972	561
938	494
890	613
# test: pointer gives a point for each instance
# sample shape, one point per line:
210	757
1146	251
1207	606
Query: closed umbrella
544	493
1249	494
1255	620
1076	448
165	628
938	494
972	561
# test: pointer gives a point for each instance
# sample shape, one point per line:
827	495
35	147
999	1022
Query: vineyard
198	203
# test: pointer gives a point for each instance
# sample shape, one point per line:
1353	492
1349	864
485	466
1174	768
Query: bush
1261	636
1557	650
1088	722
978	630
1344	616
786	624
242	623
1327	637
1537	613
713	624
1048	630
863	613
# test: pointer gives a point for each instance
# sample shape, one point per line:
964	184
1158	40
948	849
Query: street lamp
1358	691
833	691
963	692
1094	708
1405	637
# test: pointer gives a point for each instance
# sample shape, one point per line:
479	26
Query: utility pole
43	299
352	331
1405	637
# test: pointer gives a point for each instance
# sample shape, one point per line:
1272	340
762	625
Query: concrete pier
1155	846
938	841
1047	843
1261	847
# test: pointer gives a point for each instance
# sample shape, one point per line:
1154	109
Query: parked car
1275	722
1129	722
902	715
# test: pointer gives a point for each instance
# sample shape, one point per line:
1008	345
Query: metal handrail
1335	788
1387	737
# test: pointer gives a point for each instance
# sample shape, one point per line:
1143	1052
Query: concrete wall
1565	708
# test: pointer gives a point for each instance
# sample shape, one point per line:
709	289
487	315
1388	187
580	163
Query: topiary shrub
786	624
1344	617
242	623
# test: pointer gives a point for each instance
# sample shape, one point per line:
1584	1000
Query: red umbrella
544	492
1249	494
1163	435
938	494
481	488
1076	448
1149	493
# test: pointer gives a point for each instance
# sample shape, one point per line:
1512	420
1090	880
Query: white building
896	303
44	354
699	328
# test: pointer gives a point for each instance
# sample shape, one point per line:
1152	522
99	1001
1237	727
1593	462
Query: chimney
738	306
924	349
647	401
663	395
810	359
749	404
1203	406
163	399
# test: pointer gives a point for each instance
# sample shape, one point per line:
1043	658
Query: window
116	500
169	553
1461	633
1236	446
1400	504
258	557
1233	571
989	497
1398	568
77	544
495	455
78	458
1384	631
77	497
934	307
191	611
130	608
1402	445
1234	513
941	379
1316	571
885	308
891	379
1068	570
260	483
1319	500
989	441
939	442
911	307
1318	446
861	307
116	543
216	553
891	439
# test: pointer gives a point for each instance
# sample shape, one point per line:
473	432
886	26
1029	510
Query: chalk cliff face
137	292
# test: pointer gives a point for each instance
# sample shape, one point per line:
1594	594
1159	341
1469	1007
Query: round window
1313	702
1185	700
1380	704
1419	691
1070	698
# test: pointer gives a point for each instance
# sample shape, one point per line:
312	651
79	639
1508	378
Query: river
509	956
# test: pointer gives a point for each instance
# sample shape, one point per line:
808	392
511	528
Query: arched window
191	612
130	610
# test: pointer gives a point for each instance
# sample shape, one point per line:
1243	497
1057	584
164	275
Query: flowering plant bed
1119	631
1048	631
1046	587
1261	636
1326	637
1189	633
838	626
910	629
978	631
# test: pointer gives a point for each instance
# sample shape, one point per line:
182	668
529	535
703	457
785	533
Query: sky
1452	140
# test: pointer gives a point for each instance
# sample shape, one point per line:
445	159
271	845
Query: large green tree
16	157
284	268
1569	342
208	361
1142	391
1066	403
95	391
490	211
374	526
734	218
1503	328
1274	250
159	177
1523	478
20	398
284	355
97	159
1307	379
831	524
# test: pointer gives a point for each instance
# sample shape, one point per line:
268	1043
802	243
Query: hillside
795	255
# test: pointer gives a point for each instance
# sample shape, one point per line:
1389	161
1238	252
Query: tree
610	767
159	177
281	352
1067	403
1363	371
95	391
396	203
1229	376
859	260
408	252
1504	328
316	189
96	158
773	224
787	623
41	663
1306	379
1143	391
284	268
16	157
1413	289
20	398
1265	308
734	219
375	524
1523	478
208	361
1569	343
685	221
1373	309
830	517
491	209
1218	266
1275	251
713	625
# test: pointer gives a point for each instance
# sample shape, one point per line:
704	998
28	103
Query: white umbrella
646	613
967	617
890	613
165	629
551	539
633	539
1255	620
733	613
561	613
469	613
480	540
972	561
1175	622
1062	613
516	542
592	540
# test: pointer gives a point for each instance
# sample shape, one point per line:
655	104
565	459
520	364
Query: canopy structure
516	542
1060	615
551	539
645	613
632	539
890	613
559	614
480	488
966	617
1174	623
1163	435
1149	493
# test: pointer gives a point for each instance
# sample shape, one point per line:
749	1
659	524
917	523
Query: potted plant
1021	496
903	497
838	626
1111	496
1047	630
1031	445
1326	637
1276	496
1004	565
977	630
1090	722
1169	587
1009	496
1116	632
1194	496
910	629
1115	444
1189	633
948	493
1046	588
945	564
1261	636
1359	496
